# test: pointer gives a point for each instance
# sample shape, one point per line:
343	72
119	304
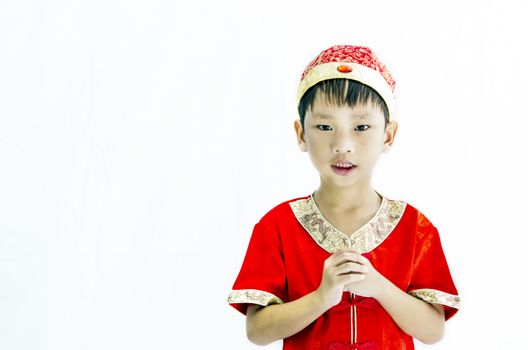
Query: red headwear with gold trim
350	62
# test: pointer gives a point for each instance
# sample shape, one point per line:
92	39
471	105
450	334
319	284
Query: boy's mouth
343	167
343	164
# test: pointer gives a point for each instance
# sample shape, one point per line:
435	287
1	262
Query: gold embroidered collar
365	239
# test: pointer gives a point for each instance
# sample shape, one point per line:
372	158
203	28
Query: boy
345	268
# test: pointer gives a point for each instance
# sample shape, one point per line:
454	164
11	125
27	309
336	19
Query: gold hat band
359	72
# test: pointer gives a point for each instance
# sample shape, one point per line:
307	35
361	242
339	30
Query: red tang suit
285	257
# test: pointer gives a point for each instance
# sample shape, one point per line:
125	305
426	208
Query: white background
140	141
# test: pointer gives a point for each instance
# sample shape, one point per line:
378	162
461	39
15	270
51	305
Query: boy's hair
342	91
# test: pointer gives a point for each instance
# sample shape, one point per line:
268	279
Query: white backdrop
140	141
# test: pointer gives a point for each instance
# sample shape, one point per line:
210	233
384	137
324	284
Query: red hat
351	62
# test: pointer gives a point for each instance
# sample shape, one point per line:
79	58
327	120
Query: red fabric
284	260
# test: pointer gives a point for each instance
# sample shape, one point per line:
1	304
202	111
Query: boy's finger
348	254
353	250
352	256
349	257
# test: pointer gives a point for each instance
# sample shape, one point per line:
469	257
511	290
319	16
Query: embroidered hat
351	62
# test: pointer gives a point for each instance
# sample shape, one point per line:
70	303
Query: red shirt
285	257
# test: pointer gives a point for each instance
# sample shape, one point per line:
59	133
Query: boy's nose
342	149
343	145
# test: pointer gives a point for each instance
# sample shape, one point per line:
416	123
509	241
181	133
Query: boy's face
344	143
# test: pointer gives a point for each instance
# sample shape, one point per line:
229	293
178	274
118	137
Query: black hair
341	91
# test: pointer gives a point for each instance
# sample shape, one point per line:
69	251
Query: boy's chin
341	181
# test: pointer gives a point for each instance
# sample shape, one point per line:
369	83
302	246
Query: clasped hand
348	270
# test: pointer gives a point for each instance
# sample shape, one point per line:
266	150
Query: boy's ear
390	134
300	135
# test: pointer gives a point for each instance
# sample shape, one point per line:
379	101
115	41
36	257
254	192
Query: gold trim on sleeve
368	237
436	297
253	296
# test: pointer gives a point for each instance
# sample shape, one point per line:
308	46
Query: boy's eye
324	127
362	127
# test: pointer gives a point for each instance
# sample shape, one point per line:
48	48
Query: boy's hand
373	283
348	270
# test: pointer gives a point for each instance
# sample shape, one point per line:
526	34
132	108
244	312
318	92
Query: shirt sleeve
431	279
262	277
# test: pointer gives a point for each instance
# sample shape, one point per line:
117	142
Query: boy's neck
346	199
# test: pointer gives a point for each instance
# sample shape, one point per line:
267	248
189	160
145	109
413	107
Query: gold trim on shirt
436	297
253	296
365	239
